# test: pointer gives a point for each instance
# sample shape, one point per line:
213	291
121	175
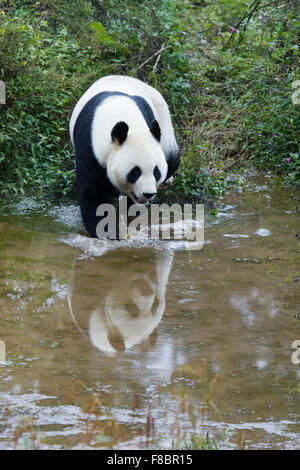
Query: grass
195	442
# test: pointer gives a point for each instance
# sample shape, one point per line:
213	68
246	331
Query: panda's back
111	83
132	86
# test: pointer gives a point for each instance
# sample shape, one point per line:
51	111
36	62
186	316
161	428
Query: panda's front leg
88	209
94	196
99	215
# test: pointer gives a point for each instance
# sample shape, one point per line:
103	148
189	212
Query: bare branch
158	53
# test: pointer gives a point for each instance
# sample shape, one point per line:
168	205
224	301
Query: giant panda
124	143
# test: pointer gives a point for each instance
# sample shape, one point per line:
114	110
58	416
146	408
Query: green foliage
50	52
269	133
198	443
197	180
255	63
38	72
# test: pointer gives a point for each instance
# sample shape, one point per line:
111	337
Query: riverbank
226	69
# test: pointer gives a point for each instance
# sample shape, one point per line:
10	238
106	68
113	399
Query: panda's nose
149	195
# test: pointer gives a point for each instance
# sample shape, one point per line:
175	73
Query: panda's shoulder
131	86
87	112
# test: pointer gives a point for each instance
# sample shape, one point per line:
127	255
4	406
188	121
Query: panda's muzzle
149	195
143	200
146	198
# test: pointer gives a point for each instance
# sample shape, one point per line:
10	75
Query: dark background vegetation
225	67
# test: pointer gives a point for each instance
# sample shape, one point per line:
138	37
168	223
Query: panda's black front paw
107	233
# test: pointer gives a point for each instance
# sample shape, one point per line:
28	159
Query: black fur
155	130
173	160
119	132
145	109
93	186
156	173
134	174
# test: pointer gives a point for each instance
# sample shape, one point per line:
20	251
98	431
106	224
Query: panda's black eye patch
134	174
156	173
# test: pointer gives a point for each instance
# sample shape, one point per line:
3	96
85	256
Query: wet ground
140	345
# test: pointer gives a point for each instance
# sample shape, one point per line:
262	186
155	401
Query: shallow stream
145	345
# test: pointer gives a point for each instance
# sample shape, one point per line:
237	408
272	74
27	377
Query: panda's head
136	164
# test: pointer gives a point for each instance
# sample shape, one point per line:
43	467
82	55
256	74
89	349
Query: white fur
115	312
132	86
140	148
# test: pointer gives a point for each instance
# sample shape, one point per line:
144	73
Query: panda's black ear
119	132
155	130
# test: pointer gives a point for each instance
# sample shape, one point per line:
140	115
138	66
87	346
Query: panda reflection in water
125	315
124	142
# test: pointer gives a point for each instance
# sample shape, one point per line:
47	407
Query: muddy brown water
133	345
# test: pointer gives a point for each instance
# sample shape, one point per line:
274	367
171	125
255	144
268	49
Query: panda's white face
137	166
